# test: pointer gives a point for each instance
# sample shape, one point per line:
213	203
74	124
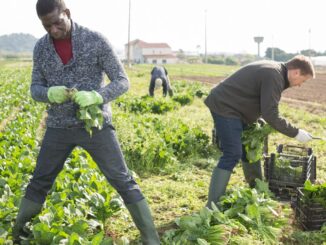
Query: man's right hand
58	94
303	136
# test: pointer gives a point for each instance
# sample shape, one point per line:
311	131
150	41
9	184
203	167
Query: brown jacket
251	92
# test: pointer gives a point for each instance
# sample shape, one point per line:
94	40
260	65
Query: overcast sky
231	24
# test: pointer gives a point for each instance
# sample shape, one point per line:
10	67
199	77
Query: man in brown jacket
252	92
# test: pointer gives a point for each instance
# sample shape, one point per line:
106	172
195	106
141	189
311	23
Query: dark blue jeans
229	131
104	148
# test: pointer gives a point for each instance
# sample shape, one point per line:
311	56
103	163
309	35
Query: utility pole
128	54
309	33
205	36
273	48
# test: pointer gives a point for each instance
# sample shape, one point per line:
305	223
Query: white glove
158	83
303	136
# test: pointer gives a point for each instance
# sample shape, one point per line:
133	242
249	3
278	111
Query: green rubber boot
252	171
142	217
27	210
219	180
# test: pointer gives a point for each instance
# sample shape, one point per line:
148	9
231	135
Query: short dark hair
44	7
303	63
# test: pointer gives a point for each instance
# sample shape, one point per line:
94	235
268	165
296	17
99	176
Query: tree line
276	54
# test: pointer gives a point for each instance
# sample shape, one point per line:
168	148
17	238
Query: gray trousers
103	147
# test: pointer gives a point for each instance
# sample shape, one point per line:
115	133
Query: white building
319	60
150	53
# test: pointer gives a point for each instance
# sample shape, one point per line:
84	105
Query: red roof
143	44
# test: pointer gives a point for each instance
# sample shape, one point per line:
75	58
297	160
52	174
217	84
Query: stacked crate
309	214
288	169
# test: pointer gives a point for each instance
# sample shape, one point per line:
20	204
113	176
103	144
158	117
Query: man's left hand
86	98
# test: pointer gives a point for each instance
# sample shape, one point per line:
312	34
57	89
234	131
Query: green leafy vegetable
314	193
253	140
92	117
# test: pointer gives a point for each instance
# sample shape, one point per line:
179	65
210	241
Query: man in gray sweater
252	92
72	56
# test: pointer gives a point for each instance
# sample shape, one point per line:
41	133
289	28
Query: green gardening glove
58	94
86	98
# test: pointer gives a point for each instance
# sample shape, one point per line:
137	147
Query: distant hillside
17	43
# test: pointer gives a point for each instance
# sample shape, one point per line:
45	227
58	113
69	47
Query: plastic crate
284	193
283	180
309	215
294	150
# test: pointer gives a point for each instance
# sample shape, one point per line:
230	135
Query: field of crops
167	145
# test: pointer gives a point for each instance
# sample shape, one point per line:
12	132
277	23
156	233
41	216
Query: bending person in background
72	56
251	92
159	76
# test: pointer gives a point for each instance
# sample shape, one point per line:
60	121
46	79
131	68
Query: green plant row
243	213
14	88
78	204
158	143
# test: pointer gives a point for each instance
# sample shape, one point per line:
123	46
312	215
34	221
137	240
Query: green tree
181	54
279	54
309	52
218	60
230	60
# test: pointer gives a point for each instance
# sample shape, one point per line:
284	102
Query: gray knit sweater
93	56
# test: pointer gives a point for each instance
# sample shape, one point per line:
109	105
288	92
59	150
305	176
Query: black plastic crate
283	180
294	150
284	193
309	215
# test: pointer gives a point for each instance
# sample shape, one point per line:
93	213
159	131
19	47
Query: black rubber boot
142	217
252	171
219	180
27	210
